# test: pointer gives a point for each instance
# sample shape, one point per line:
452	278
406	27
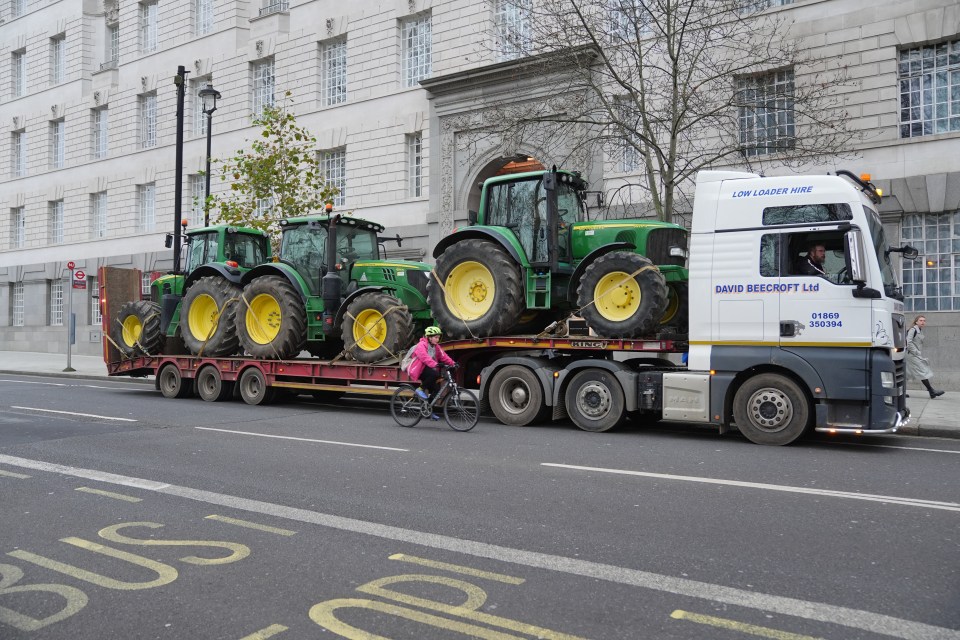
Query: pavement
939	417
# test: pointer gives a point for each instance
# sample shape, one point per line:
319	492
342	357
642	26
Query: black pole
180	80
206	192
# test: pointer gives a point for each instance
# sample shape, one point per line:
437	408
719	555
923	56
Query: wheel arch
353	295
589	259
625	375
480	233
274	270
802	378
542	368
214	269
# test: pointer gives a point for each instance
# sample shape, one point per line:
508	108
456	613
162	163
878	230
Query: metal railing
275	7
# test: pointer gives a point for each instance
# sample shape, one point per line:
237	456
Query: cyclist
428	355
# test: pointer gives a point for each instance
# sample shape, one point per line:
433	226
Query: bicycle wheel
405	406
461	410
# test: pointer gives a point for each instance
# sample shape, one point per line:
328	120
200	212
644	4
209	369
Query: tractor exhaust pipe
331	283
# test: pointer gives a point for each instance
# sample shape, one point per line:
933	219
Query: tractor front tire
208	317
482	293
622	295
677	313
376	326
136	331
272	321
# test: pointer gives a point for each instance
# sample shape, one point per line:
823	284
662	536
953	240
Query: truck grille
659	243
899	331
418	280
900	373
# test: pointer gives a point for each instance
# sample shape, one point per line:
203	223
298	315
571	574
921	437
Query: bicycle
461	409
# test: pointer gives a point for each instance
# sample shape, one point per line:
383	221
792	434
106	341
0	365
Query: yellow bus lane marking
267	632
11	474
74	413
742	627
109	494
270	435
455	568
251	525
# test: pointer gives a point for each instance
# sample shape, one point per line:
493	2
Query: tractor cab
304	244
246	247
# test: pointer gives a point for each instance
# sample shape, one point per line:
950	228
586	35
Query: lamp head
209	96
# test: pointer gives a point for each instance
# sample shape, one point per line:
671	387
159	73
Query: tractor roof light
232	263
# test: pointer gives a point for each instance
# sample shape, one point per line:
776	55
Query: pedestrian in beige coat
917	366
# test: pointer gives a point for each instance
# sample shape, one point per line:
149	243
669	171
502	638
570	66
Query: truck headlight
886	379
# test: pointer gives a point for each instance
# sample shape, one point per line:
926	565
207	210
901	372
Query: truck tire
376	326
208	317
482	293
594	400
253	387
771	409
616	305
136	330
516	396
210	386
677	313
172	384
272	322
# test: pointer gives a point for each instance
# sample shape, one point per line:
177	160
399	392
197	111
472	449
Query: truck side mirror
168	241
854	257
472	217
910	253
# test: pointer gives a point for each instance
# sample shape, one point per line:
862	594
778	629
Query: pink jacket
421	360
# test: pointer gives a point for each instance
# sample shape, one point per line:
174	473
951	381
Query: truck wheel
136	330
171	383
253	387
616	305
208	317
516	396
272	322
376	326
594	400
211	387
474	301
771	409
677	312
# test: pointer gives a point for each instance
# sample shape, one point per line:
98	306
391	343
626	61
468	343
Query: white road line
74	413
138	387
270	435
49	384
893	446
910	502
819	611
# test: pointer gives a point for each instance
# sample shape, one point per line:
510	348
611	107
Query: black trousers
429	380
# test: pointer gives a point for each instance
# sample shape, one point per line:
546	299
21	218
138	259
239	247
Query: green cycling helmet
432	331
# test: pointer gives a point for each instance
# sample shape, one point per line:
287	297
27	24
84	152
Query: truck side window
770	255
806	214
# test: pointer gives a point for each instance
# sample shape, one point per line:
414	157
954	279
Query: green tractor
200	304
531	256
356	302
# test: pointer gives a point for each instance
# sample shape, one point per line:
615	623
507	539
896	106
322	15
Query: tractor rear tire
272	322
482	293
136	331
208	317
376	326
616	305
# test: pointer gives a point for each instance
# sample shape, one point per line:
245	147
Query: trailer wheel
136	330
253	387
171	383
272	322
594	400
771	409
482	293
211	387
622	295
376	326
516	396
208	317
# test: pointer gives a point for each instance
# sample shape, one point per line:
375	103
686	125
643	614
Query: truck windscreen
891	288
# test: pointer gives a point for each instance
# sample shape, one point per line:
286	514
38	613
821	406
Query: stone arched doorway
498	167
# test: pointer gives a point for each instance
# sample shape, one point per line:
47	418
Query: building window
56	303
148	120
628	21
263	208
148	27
18	154
932	282
415	164
18	73
18	8
98	133
56	222
16	304
98	214
198	192
18	227
95	316
334	164
930	89
112	54
204	10
199	117
765	113
146	196
58	59
752	6
416	49
145	281
333	71
263	82
511	21
57	144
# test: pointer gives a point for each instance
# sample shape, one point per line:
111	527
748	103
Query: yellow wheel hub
673	305
263	318
369	330
132	328
617	296
470	290
202	317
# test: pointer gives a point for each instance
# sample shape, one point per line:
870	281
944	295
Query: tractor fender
275	269
543	368
626	376
350	298
588	260
482	234
213	269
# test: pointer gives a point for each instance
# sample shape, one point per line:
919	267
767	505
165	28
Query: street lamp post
208	96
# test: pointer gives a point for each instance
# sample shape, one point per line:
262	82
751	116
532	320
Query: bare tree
669	87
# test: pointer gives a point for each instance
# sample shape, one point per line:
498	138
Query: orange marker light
233	263
865	177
